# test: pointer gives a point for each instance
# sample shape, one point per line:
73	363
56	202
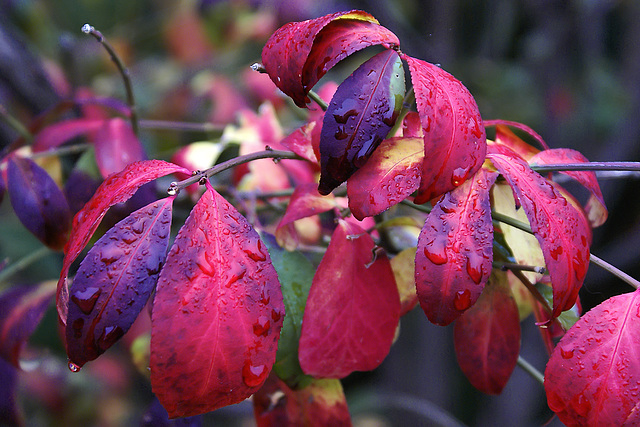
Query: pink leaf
116	146
454	137
454	256
117	188
487	337
352	310
560	227
217	313
503	123
57	134
593	376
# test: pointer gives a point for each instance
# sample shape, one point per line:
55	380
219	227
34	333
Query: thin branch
590	166
179	126
89	29
24	262
321	102
504	266
61	151
615	271
531	370
531	287
15	124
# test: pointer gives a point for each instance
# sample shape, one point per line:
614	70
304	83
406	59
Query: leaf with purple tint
116	146
217	313
454	256
360	115
454	137
57	134
38	202
9	412
21	310
115	280
3	187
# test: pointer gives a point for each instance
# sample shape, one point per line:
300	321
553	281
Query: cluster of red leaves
218	326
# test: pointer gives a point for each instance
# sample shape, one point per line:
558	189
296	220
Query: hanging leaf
298	54
57	134
560	227
116	146
217	313
596	209
454	136
593	375
403	266
300	141
117	188
305	202
38	202
454	255
21	310
115	280
502	127
295	273
390	175
487	336
322	403
352	310
360	115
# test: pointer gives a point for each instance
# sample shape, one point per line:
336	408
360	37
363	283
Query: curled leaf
360	115
217	313
454	136
115	280
454	255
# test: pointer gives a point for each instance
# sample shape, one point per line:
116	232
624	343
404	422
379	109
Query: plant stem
531	370
314	96
180	126
615	271
511	221
24	262
504	266
124	72
61	151
590	166
199	177
530	286
15	124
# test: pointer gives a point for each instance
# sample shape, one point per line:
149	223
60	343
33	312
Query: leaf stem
531	370
504	266
590	166
321	102
24	262
61	151
615	271
205	175
15	124
124	72
179	126
531	288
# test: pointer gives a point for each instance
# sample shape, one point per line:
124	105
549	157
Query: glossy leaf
360	115
454	136
21	310
217	313
305	201
404	267
300	141
116	146
593	376
596	209
390	175
487	337
560	227
115	280
298	54
454	255
322	403
57	134
295	273
38	202
352	310
117	188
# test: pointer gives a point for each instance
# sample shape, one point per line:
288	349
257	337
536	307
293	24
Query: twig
89	29
321	102
15	124
615	271
589	166
504	266
531	370
534	291
24	262
61	151
179	126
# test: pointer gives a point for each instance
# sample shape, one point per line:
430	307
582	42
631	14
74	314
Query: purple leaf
38	202
9	413
115	281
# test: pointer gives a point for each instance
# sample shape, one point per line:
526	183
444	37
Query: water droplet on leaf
254	375
86	300
462	300
73	367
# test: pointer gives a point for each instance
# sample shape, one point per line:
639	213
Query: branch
88	29
615	271
15	124
180	126
531	370
590	166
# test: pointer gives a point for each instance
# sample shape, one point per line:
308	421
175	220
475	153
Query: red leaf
21	310
322	403
217	313
115	281
454	256
352	310
298	54
300	141
501	125
360	115
116	146
57	134
305	201
560	227
390	175
596	209
117	188
454	137
38	202
593	375
487	337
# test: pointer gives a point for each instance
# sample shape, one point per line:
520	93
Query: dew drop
438	257
86	300
566	353
254	375
462	300
77	326
556	252
276	315
109	336
257	254
73	367
458	176
262	326
474	268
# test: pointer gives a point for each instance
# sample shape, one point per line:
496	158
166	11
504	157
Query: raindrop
257	253
73	367
566	353
109	336
86	299
462	300
474	268
262	326
438	257
254	375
